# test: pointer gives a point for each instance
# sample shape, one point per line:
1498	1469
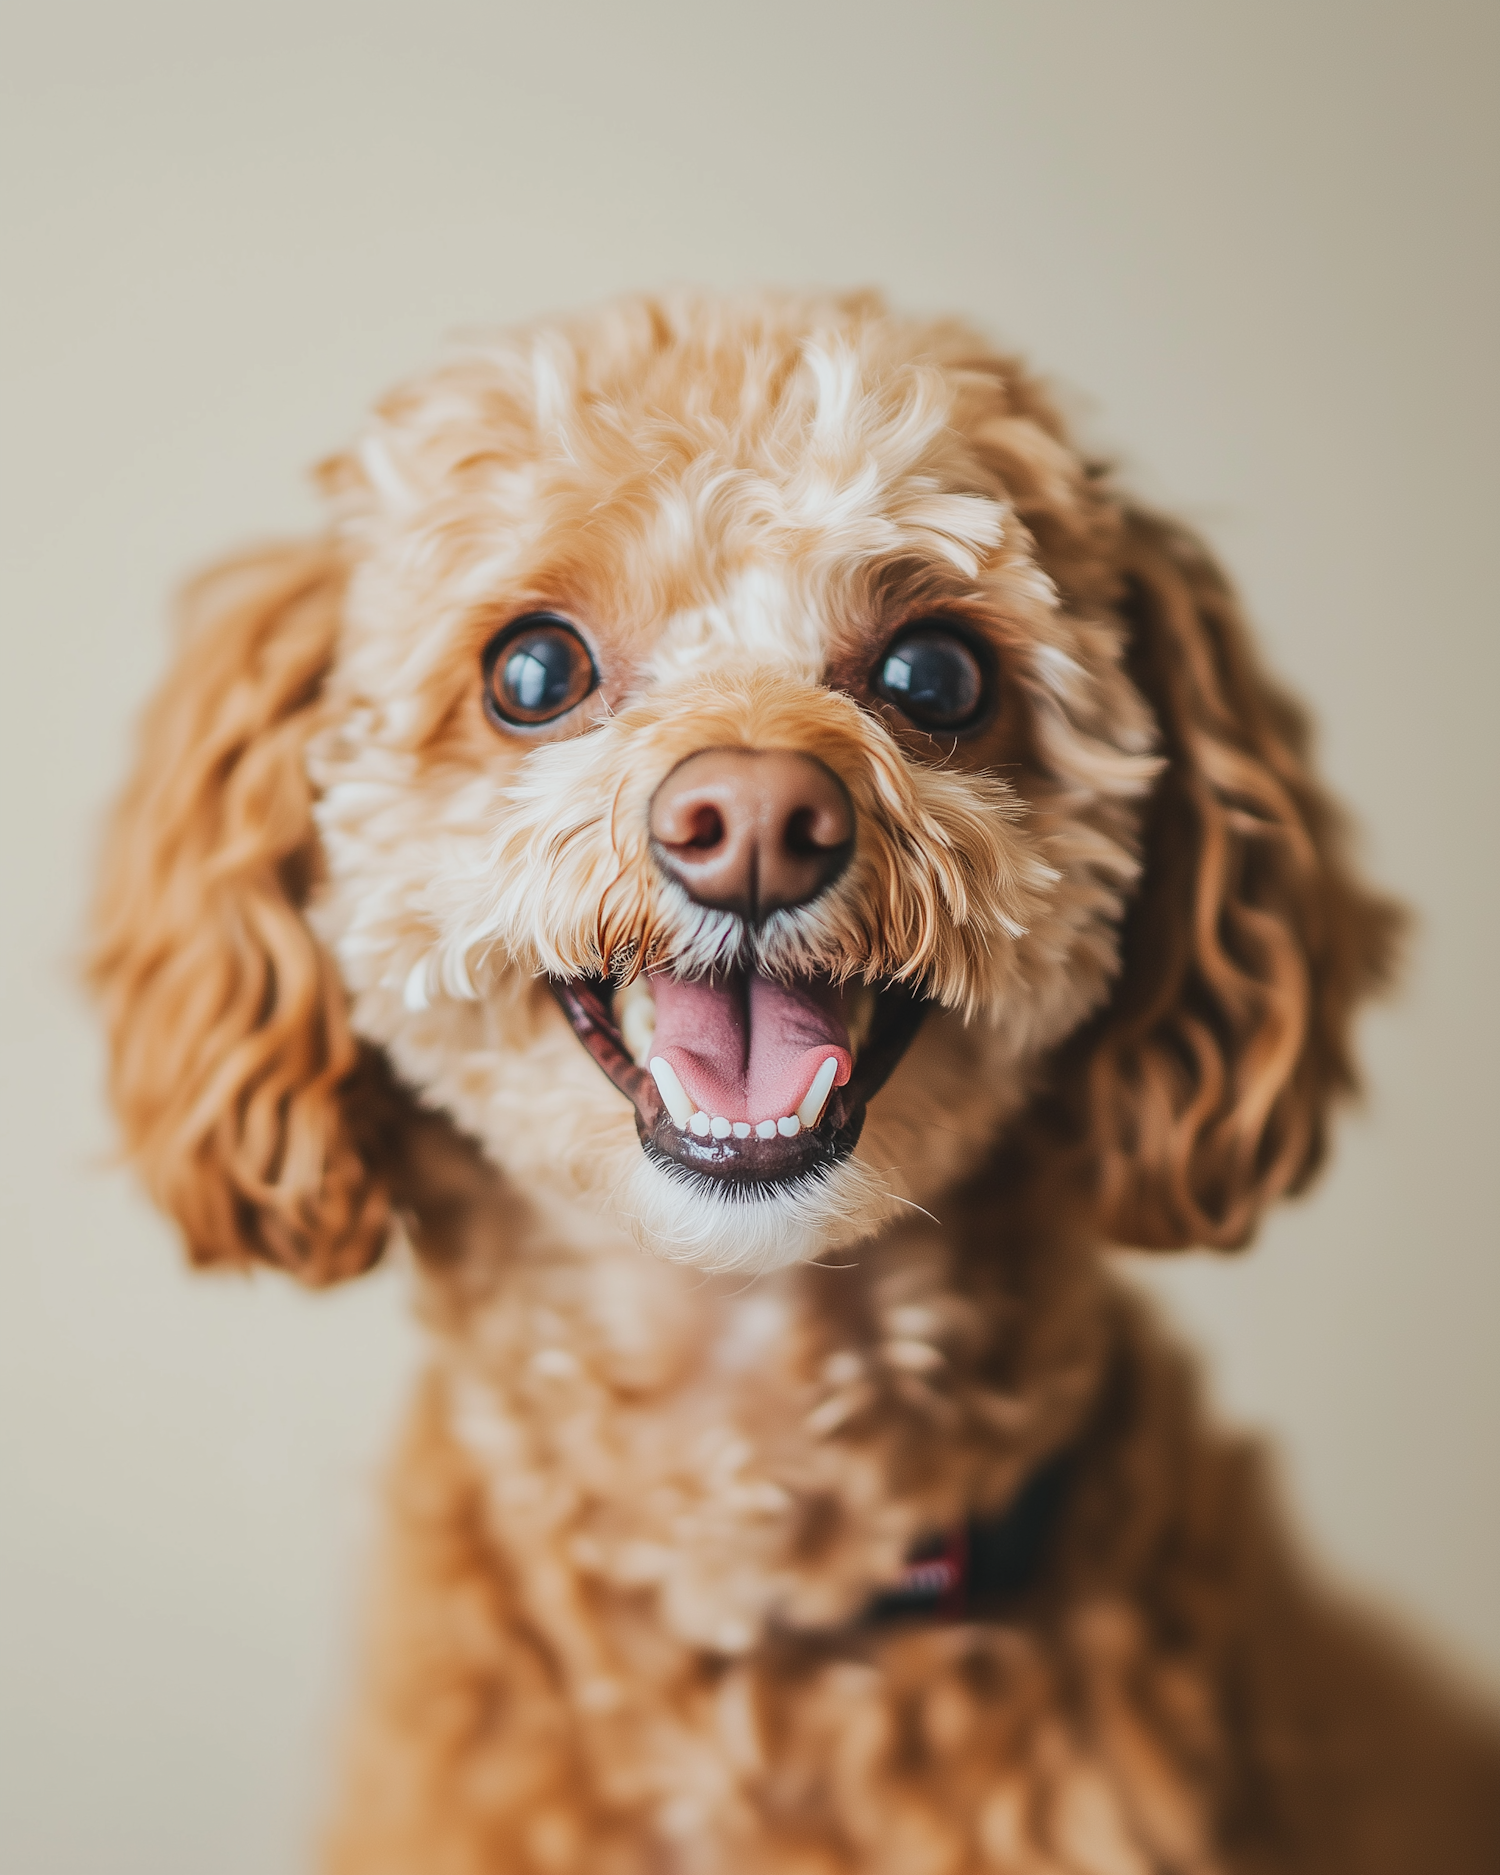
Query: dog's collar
979	1567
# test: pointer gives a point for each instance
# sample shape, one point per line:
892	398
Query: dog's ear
1205	1086
242	1094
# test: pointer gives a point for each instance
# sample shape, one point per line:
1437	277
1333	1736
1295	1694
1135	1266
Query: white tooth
635	1011
741	1129
700	1123
816	1097
765	1129
789	1127
720	1128
673	1093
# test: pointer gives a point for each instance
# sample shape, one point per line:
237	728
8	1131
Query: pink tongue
745	1047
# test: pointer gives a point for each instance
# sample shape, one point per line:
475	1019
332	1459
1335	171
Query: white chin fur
685	1218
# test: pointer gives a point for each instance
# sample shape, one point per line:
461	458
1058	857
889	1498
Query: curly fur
645	1496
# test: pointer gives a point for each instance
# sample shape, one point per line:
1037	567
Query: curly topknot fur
642	1505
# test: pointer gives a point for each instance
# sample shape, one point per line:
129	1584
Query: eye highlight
934	677
536	670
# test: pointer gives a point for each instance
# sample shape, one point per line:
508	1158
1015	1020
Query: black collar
982	1566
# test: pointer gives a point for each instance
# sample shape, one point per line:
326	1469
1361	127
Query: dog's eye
933	676
536	670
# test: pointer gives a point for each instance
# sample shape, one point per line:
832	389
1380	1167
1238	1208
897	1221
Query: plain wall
1261	241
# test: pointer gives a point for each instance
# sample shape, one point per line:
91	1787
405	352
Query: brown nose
752	830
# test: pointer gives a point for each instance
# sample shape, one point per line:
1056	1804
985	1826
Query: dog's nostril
707	830
811	831
752	830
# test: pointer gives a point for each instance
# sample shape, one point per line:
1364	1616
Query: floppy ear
1206	1084
244	1098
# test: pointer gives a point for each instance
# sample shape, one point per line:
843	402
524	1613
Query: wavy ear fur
1205	1086
241	1092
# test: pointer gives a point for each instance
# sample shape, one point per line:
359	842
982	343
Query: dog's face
747	700
712	674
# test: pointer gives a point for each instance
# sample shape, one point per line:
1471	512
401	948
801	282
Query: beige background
1261	238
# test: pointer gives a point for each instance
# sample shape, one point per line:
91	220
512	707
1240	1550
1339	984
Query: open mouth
741	1077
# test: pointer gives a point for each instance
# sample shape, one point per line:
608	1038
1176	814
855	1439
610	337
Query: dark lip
736	1163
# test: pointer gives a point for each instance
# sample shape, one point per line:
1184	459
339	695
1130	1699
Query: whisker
896	1197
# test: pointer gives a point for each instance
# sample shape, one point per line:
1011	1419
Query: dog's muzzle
744	1078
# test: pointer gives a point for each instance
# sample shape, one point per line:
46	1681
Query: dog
745	850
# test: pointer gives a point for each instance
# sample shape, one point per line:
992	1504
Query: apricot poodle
763	702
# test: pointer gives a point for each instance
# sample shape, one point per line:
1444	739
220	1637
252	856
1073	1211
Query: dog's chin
739	1225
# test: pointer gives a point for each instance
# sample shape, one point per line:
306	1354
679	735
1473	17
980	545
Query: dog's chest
657	1547
641	1436
682	1502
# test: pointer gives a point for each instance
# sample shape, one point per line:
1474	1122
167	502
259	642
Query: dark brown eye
535	671
934	677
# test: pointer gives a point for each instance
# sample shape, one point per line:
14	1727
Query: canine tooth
765	1129
816	1097
700	1123
741	1129
789	1127
635	1012
674	1094
720	1128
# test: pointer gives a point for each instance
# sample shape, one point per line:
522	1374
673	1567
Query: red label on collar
978	1570
935	1579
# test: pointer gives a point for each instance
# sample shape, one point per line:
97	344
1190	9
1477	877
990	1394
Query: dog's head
761	702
